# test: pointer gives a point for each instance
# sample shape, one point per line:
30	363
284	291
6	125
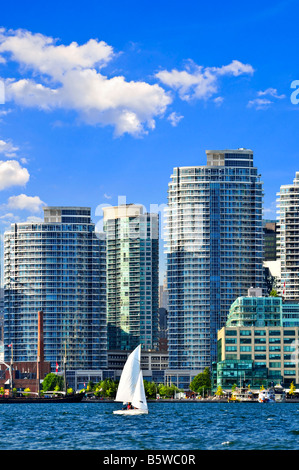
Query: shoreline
203	400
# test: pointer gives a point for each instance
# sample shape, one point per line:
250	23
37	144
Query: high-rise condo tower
132	240
214	246
57	266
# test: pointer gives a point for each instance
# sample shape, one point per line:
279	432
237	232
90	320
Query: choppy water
168	426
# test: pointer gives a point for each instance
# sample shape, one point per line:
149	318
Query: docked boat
131	388
242	395
75	398
266	396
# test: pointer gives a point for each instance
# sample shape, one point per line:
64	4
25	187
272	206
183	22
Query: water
168	426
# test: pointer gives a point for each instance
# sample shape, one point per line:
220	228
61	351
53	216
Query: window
275	365
245	333
245	348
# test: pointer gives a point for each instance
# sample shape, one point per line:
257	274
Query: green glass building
132	240
255	311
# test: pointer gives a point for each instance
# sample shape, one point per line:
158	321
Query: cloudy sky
100	100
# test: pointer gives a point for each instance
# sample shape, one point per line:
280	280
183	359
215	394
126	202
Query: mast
40	347
11	369
64	370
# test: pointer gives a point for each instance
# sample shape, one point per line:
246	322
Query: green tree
292	389
53	382
202	382
90	386
219	392
273	293
106	388
26	394
150	389
167	391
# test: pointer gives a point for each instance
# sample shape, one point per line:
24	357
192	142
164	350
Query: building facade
257	356
57	266
288	239
214	247
132	240
270	229
255	311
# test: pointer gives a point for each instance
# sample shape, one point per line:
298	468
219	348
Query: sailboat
131	387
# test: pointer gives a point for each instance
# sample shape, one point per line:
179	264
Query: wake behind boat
131	388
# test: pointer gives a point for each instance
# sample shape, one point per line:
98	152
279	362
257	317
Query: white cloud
259	103
42	54
9	216
219	100
4	112
24	202
70	78
263	102
198	82
174	119
7	219
12	174
272	92
8	149
235	68
33	218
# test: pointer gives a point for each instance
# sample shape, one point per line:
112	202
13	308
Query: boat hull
69	399
130	412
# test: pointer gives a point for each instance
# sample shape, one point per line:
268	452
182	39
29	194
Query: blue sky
103	99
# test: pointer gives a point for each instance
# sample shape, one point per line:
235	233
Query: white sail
139	399
129	377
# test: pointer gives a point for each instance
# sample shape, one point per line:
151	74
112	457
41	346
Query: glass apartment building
288	239
255	311
132	240
57	266
214	247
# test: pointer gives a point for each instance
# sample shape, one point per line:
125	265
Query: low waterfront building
181	378
153	365
257	356
24	375
79	379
